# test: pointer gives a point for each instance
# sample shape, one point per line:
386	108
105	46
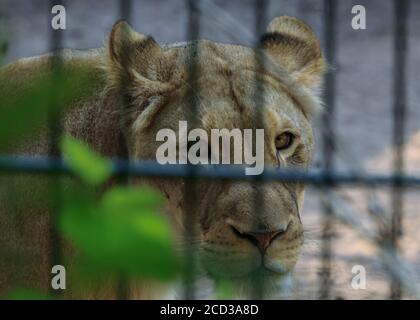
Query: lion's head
235	239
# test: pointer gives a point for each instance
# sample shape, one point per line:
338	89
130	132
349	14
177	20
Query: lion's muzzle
246	236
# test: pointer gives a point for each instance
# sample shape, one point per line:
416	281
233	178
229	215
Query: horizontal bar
48	165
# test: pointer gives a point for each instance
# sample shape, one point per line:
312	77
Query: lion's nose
261	239
264	239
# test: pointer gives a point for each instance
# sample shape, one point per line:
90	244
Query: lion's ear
132	55
294	45
137	66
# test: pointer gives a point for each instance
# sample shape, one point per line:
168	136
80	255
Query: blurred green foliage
26	294
89	166
117	230
120	232
224	289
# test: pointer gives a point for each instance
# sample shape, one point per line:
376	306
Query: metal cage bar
328	148
125	8
45	165
55	131
399	114
190	195
258	96
123	285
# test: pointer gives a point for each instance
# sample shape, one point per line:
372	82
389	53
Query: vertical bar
328	147
190	197
55	130
260	24
125	10
399	111
3	40
125	7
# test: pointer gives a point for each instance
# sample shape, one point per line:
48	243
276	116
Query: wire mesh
328	177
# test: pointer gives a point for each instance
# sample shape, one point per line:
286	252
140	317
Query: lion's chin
261	282
249	275
259	273
258	270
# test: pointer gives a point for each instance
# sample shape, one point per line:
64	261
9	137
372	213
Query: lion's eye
284	140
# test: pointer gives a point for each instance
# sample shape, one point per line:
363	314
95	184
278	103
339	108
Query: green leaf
26	294
224	289
132	198
122	234
88	165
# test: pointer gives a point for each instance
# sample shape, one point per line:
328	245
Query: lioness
148	84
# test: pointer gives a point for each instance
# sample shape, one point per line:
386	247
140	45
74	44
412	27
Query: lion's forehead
205	50
216	63
226	80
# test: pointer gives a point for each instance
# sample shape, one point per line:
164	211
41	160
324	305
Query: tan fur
142	87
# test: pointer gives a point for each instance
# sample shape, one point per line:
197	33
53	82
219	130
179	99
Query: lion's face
240	227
